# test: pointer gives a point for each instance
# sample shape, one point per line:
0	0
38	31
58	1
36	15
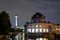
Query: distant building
39	29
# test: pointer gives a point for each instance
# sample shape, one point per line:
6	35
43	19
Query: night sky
26	8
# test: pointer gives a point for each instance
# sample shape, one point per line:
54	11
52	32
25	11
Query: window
33	30
36	29
36	26
40	29
47	30
44	30
44	38
28	30
41	39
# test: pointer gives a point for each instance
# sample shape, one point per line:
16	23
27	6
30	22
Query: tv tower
16	20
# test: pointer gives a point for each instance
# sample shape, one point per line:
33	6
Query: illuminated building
39	29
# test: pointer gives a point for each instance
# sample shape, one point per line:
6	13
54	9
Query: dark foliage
5	25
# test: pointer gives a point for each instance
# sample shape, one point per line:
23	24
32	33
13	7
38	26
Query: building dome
38	17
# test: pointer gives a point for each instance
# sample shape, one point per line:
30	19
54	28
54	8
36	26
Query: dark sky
26	8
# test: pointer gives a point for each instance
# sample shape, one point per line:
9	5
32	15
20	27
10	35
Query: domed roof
37	15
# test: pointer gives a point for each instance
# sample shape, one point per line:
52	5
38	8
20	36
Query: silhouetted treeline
5	25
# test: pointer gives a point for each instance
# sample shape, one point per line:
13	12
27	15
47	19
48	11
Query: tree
5	25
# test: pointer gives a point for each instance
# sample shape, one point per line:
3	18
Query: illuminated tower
16	20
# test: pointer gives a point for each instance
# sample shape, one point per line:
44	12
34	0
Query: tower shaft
16	21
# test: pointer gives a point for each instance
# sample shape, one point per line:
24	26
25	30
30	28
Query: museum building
39	29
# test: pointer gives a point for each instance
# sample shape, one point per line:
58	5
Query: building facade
39	29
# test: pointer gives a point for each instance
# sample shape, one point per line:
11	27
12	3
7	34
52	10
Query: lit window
41	39
44	30
36	25
28	30
33	30
40	29
56	28
47	30
36	29
45	39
